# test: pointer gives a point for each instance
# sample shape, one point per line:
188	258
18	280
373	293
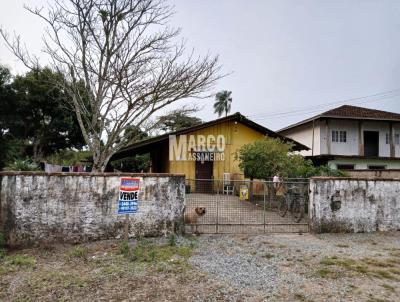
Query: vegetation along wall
39	207
354	204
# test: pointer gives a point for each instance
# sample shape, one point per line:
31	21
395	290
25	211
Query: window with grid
335	136
397	138
339	136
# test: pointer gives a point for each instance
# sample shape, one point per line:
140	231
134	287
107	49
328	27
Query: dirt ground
272	267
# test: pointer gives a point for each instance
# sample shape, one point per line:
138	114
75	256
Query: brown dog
192	217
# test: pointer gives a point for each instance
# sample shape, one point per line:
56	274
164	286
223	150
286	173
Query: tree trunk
100	162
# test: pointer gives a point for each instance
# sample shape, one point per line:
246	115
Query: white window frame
339	136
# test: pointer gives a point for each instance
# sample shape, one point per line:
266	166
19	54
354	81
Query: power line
316	108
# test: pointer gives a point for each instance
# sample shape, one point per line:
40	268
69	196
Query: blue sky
284	55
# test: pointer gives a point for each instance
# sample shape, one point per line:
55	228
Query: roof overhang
322	116
237	117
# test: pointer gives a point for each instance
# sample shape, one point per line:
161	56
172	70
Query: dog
192	217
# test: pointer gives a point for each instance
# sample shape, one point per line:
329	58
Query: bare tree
121	63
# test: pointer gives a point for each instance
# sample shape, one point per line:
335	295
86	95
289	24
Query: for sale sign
128	195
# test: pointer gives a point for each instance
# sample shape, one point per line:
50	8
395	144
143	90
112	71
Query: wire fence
243	206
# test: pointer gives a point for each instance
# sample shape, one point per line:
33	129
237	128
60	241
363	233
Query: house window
339	136
342	136
397	138
345	167
376	167
387	139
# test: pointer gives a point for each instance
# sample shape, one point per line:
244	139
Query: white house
350	137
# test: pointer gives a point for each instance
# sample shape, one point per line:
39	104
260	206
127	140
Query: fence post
264	205
216	225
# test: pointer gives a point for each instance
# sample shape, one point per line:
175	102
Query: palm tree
223	100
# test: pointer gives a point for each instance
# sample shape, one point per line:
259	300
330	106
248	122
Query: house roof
351	112
237	117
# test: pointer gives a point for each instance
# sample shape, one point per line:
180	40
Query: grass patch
80	252
21	261
378	263
124	248
382	269
348	264
394	271
388	287
383	274
342	245
146	252
300	297
324	272
172	239
268	256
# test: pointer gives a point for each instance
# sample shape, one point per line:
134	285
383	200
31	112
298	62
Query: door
204	172
371	143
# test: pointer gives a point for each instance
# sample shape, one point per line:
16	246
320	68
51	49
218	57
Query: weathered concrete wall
39	207
354	205
392	173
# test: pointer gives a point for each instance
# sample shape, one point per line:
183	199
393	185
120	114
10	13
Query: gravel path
285	267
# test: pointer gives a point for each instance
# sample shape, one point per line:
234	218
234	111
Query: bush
172	239
23	165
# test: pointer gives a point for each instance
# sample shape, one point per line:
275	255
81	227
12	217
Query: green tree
268	157
177	120
33	121
223	101
7	119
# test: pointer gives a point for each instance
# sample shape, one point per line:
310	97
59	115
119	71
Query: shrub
23	165
172	239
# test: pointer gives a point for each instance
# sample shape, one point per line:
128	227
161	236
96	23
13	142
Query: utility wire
316	108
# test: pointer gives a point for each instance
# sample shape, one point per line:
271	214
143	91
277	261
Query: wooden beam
391	140
360	139
328	136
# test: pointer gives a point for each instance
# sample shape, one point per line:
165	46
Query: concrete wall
73	207
360	164
354	205
394	173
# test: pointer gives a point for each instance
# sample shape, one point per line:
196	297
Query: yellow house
205	151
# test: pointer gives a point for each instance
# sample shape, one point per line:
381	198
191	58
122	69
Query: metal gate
241	206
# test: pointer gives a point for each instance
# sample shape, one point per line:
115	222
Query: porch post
360	139
328	136
391	140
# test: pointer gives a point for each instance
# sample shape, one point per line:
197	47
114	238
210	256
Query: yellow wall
236	135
